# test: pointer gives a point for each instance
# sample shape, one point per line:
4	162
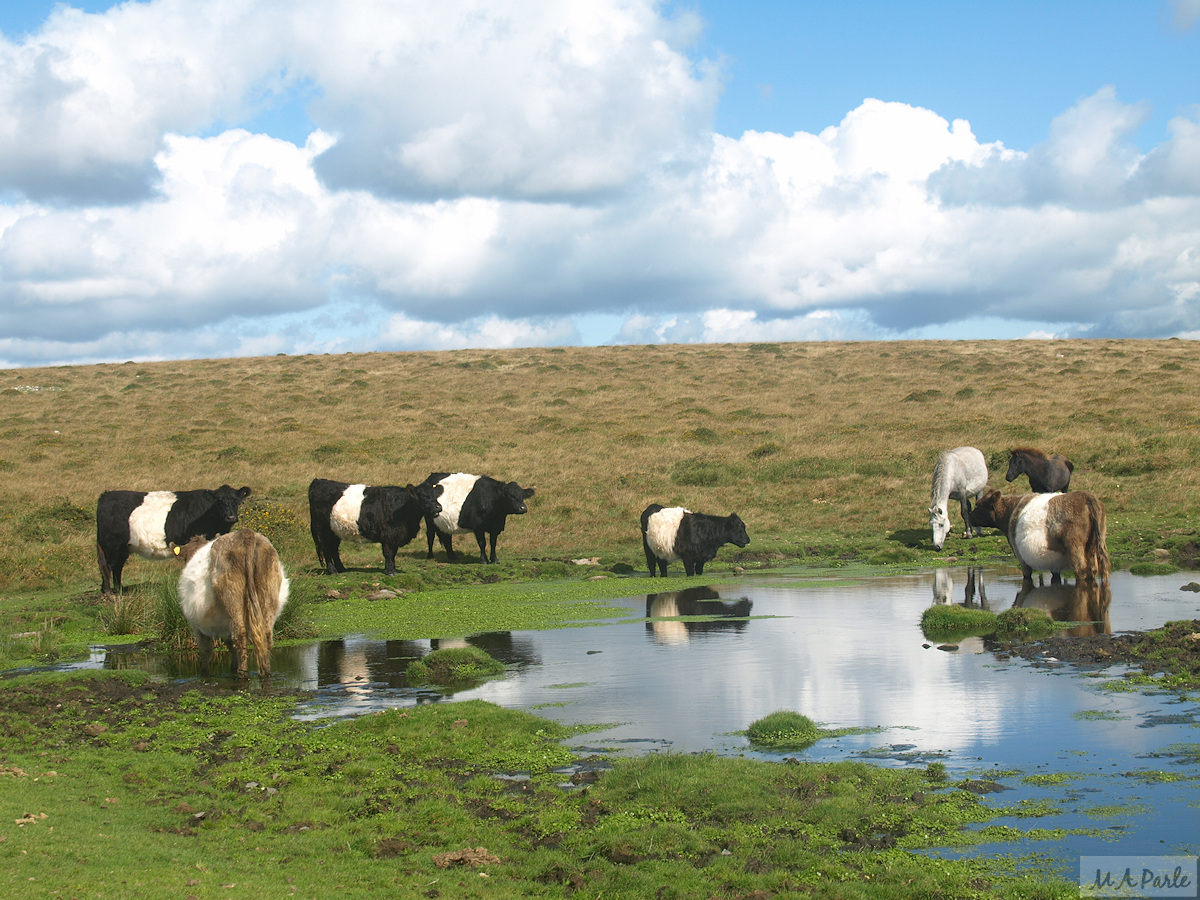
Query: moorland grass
824	449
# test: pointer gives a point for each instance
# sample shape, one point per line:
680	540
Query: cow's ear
527	492
175	548
243	493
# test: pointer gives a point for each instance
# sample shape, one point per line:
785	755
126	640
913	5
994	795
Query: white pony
961	474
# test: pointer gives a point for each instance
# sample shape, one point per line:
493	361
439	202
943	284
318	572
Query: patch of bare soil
1173	649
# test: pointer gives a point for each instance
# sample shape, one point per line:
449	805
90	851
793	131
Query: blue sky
182	179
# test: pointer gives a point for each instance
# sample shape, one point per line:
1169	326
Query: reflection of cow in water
943	588
1085	602
697	601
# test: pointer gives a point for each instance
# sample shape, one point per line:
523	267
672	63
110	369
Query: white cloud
487	173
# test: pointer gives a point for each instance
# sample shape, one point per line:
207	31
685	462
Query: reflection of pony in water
943	588
960	474
1084	602
1050	532
1047	474
668	606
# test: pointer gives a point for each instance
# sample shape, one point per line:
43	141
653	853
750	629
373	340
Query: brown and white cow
233	589
1050	532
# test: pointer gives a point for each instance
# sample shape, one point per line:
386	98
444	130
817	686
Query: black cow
476	504
677	533
148	522
366	514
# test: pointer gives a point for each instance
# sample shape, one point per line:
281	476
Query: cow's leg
700	567
205	643
651	559
492	539
688	567
481	540
105	571
662	565
429	536
237	650
117	556
448	542
1056	577
389	558
333	559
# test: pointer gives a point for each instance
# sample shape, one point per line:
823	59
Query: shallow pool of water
846	653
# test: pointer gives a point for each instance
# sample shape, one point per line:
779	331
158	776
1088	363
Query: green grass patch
943	622
1025	623
453	665
127	786
1153	568
784	730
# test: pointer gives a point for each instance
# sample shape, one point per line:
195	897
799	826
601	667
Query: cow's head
988	509
227	501
737	531
426	495
186	551
514	498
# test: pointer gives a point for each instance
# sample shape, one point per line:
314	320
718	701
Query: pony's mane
1029	451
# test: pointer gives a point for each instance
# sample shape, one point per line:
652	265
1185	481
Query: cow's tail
105	571
317	542
1097	546
260	589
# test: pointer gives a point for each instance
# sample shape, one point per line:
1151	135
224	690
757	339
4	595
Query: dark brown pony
1050	532
1046	473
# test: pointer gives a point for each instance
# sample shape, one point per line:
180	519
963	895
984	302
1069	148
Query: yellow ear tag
176	549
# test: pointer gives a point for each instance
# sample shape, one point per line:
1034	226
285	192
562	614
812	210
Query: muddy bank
1173	650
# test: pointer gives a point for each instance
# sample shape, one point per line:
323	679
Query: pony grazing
1047	474
1050	532
961	474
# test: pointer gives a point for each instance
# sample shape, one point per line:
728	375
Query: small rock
1191	586
949	648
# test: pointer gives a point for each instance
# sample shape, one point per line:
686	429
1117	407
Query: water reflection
1087	603
845	652
725	615
943	588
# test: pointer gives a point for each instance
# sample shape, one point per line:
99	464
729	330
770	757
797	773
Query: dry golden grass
822	448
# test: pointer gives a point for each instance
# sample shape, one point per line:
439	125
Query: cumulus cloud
484	174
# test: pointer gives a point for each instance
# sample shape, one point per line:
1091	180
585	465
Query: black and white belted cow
474	504
148	522
673	532
367	514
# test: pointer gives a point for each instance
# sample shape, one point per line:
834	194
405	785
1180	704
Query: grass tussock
953	623
784	730
453	665
1024	623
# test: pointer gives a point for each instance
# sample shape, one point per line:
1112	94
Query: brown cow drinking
1050	532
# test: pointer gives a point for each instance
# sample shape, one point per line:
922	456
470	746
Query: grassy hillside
824	449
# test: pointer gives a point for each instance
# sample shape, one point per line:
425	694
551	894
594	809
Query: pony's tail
1097	547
